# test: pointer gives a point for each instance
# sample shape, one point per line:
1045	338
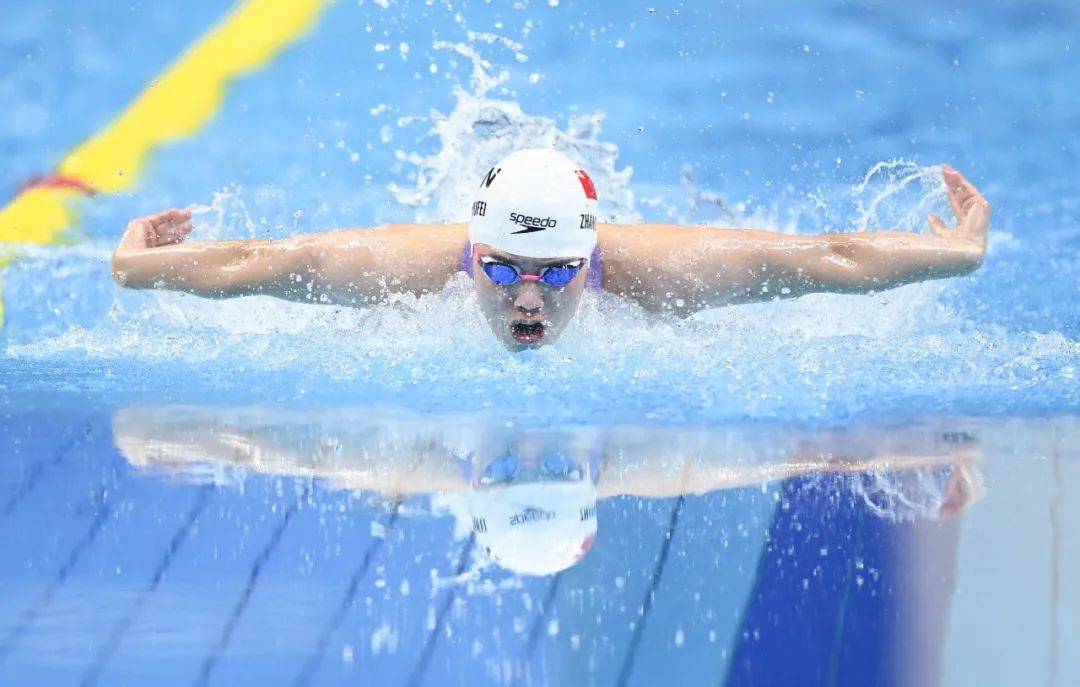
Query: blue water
801	118
779	112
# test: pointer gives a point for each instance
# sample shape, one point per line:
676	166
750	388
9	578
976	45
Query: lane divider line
172	107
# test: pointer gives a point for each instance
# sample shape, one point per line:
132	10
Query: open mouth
527	332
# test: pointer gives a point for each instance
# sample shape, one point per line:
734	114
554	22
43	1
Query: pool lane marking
30	615
314	660
116	636
429	644
650	593
172	107
35	474
211	660
538	625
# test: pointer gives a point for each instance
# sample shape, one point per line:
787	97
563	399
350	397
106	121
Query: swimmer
534	244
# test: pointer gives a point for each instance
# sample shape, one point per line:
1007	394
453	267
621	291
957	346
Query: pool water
242	545
881	488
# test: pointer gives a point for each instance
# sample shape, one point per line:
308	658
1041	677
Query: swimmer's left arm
683	269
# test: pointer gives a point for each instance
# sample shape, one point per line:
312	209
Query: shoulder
653	263
415	257
632	250
645	241
419	237
402	244
647	244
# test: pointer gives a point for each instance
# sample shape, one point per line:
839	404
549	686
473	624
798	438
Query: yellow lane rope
172	107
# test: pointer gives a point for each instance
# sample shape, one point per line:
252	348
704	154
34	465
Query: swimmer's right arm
354	266
153	255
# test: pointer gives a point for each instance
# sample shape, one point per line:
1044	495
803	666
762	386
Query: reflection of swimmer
534	244
530	494
533	508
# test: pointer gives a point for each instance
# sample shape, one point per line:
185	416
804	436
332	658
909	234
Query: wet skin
513	312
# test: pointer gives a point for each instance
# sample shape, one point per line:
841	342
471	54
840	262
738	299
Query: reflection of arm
683	476
638	468
185	441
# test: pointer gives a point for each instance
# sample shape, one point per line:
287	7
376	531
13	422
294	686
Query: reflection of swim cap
538	204
536	528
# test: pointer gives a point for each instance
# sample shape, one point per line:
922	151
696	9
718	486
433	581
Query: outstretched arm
683	269
354	267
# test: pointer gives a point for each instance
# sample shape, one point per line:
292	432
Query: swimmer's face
527	314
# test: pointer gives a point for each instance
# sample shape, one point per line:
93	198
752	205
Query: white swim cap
538	204
537	528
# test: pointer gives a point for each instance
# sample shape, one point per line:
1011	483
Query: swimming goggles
553	467
505	274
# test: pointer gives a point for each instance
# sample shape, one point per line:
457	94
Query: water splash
897	195
481	130
820	356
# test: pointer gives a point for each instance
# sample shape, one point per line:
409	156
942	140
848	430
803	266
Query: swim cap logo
530	223
492	173
531	515
587	184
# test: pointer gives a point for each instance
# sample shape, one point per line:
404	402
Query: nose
528	301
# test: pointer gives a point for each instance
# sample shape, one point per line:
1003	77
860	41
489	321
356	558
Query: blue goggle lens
559	276
559	466
501	470
505	275
501	273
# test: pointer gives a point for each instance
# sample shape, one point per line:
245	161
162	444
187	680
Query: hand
971	209
163	229
965	487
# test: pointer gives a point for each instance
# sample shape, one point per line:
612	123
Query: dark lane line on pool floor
538	625
39	470
650	594
211	660
440	620
311	665
30	615
93	672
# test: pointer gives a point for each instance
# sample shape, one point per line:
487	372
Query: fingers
937	226
173	233
971	208
954	182
962	193
168	227
953	177
976	222
171	216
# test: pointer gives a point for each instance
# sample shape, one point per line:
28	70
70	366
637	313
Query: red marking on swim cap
58	181
587	184
587	544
